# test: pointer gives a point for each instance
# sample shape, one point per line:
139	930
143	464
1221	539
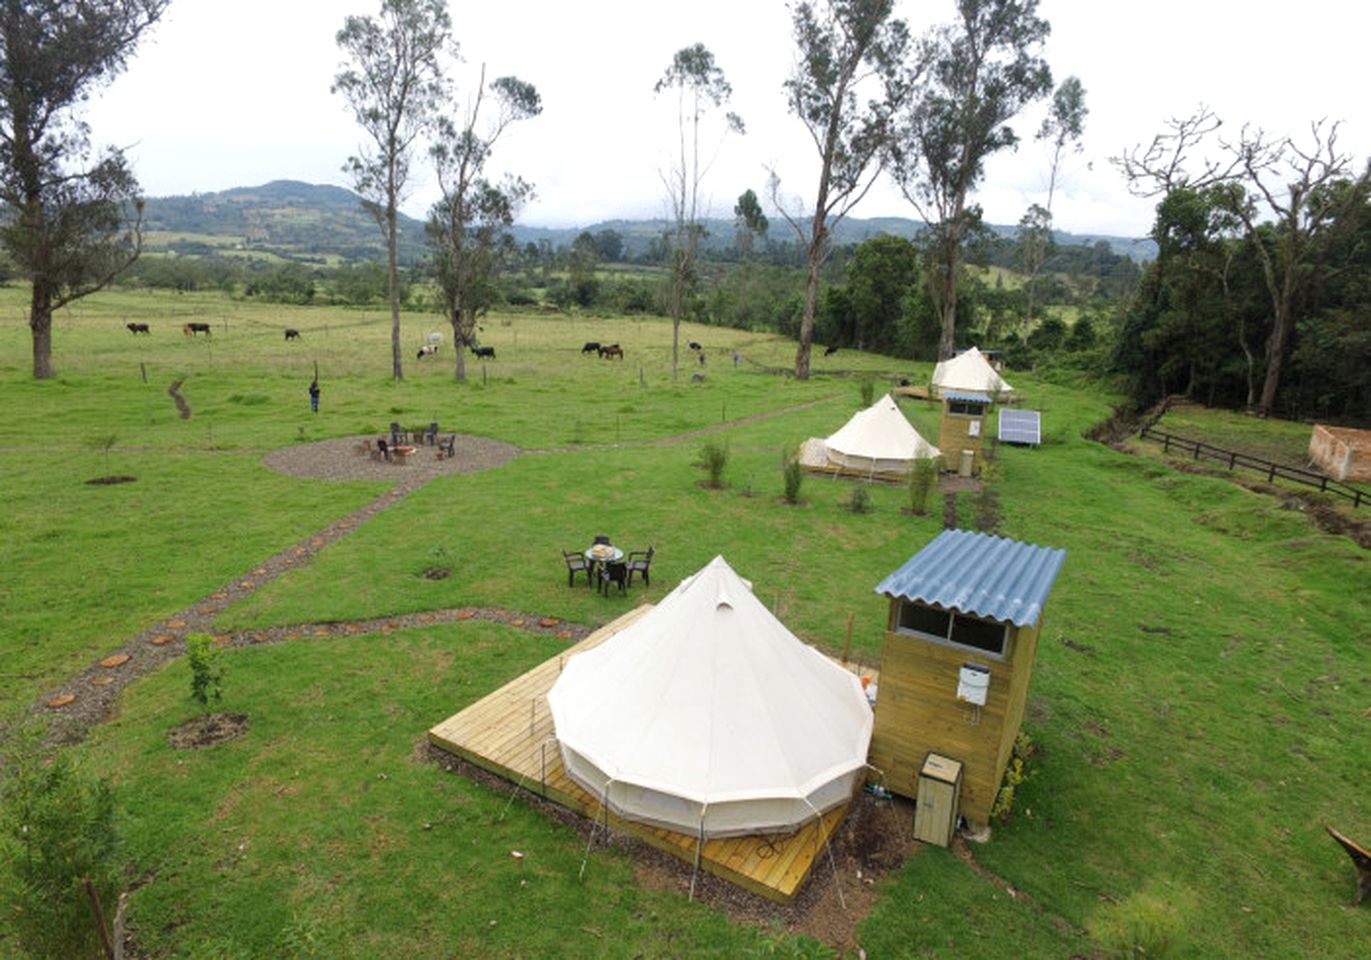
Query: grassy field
1198	702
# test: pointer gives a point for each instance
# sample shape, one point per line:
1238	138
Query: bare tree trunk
40	322
1275	358
947	342
678	285
393	282
459	345
818	240
802	352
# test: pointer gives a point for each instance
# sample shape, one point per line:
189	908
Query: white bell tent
970	372
708	717
877	443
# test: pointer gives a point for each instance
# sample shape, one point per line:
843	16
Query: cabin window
987	636
965	408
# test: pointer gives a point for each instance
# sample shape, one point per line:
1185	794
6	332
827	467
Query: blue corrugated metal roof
966	395
990	577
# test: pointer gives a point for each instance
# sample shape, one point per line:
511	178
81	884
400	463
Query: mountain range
315	222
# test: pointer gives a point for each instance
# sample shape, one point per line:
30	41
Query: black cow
592	346
138	328
196	329
830	351
292	333
484	353
694	346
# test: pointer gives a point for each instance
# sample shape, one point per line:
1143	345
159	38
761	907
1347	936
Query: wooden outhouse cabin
961	435
960	641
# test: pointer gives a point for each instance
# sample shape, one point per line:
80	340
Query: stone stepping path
88	698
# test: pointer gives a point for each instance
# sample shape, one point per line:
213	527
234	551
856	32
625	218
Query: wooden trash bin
935	811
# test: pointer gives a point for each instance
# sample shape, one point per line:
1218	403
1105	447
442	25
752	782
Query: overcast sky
236	94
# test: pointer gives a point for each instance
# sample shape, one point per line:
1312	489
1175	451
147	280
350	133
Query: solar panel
1020	426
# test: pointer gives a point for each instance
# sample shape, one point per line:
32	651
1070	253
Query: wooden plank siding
954	436
509	732
917	712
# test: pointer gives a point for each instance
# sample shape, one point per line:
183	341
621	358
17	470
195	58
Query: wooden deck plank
495	734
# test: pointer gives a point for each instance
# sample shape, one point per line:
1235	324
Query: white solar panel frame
1020	426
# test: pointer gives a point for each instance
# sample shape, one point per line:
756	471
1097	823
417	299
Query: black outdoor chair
575	563
395	434
639	562
599	539
613	572
431	434
383	447
447	447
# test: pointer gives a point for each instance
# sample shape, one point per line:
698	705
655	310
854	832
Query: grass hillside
282	218
1199	702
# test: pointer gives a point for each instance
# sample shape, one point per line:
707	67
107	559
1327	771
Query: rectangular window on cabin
984	635
973	633
964	408
923	619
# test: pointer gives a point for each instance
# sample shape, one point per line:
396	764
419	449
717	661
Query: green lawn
1198	699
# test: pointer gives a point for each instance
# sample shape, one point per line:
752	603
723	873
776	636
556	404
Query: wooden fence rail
1198	449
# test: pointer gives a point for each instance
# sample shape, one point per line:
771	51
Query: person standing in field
314	396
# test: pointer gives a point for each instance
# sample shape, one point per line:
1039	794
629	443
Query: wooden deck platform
510	733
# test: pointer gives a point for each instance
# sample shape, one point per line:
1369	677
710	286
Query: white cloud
236	94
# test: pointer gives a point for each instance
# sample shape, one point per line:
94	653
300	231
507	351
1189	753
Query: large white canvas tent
970	372
708	717
877	442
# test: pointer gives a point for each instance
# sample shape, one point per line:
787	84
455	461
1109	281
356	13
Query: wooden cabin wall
954	436
917	711
1025	652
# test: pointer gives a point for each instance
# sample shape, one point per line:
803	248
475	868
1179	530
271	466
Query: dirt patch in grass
207	730
109	481
875	838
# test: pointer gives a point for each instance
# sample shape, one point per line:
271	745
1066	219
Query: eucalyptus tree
842	47
394	85
699	85
974	76
468	226
1061	130
749	222
71	221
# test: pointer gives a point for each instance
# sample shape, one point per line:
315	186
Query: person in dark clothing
314	395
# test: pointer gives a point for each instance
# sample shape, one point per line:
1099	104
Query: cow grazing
427	350
138	328
830	351
611	351
592	346
196	329
694	346
484	353
292	333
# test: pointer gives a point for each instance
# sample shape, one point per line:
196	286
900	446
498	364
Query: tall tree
1304	190
469	223
70	221
699	84
840	46
1061	130
976	74
394	84
1309	192
749	222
